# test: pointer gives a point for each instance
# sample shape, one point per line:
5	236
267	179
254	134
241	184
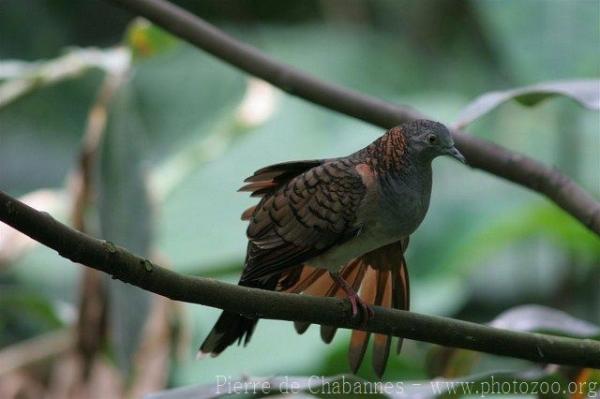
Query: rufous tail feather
381	279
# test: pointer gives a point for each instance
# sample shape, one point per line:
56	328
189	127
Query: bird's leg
353	297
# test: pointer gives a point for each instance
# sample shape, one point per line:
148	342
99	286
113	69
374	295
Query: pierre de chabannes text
346	385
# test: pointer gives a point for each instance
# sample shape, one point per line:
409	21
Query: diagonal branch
480	154
108	258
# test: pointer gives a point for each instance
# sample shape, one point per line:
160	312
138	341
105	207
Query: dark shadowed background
184	129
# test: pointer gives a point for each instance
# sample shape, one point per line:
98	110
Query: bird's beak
454	153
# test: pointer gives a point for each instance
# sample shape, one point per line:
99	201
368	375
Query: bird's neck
390	156
404	184
402	171
385	155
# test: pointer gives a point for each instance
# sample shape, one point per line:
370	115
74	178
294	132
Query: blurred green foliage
177	148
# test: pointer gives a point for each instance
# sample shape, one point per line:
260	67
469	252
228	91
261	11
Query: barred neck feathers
387	154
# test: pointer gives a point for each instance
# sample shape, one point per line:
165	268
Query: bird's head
429	139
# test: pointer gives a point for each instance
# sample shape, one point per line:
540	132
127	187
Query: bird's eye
432	139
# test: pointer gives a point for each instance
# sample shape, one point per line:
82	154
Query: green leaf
585	92
31	303
530	221
26	312
49	145
125	216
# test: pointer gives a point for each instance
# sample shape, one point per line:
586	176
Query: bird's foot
365	309
358	305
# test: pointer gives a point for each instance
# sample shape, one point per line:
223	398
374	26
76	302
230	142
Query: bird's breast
403	203
391	210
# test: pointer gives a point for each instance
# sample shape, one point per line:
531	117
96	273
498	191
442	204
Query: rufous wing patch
366	174
247	214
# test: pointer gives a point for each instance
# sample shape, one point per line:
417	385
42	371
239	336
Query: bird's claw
365	309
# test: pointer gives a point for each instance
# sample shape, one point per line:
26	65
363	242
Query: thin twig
480	154
31	76
107	257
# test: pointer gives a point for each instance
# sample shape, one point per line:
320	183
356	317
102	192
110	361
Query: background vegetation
183	130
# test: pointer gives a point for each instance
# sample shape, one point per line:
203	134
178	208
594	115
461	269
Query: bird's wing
303	218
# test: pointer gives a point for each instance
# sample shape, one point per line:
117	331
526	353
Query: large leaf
585	92
517	226
451	362
125	215
544	319
46	126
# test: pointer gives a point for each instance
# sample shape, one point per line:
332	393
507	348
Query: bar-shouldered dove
339	227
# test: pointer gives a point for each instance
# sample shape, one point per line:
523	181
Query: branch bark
108	258
480	154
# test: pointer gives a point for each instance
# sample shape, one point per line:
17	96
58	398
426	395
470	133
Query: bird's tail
381	278
232	327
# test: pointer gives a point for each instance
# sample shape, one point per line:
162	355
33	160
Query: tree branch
108	258
479	153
